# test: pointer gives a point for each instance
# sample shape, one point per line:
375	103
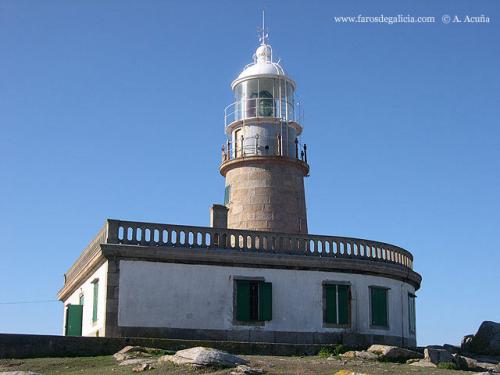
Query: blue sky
114	109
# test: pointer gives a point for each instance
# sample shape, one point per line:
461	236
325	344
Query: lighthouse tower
264	162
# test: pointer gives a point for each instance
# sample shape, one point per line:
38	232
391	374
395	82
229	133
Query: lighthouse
255	275
264	161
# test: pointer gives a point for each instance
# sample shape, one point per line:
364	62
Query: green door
74	315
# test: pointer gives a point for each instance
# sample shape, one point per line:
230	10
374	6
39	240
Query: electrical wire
28	302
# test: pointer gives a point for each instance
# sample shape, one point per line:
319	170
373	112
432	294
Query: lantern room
264	118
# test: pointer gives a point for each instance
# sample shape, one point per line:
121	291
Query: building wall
267	196
90	328
154	294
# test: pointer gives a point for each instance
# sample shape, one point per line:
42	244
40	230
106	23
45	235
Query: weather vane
263	35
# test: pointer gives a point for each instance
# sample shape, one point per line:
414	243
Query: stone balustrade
88	254
179	236
149	234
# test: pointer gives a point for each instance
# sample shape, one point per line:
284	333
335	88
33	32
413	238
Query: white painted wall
90	328
154	294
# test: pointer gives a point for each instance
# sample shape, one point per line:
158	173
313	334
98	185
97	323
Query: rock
489	359
437	356
143	367
246	370
463	363
486	340
488	366
200	357
360	355
423	363
412	360
465	344
451	348
130	352
137	361
393	353
19	373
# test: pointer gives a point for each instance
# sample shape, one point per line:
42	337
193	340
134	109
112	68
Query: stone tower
264	163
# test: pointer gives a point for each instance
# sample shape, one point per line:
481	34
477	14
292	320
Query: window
337	304
82	299
253	301
238	143
96	299
227	195
379	311
411	313
266	106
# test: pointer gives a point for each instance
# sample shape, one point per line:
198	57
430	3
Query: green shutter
265	301
331	304
379	306
343	297
96	299
411	313
242	300
74	315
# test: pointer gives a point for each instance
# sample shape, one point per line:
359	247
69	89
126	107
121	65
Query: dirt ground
272	365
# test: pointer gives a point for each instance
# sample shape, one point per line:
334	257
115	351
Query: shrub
447	365
331	350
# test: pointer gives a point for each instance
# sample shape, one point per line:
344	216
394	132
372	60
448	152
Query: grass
311	365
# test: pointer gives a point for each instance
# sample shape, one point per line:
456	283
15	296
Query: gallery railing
263	146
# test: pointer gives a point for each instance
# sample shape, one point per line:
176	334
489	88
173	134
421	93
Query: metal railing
264	146
261	108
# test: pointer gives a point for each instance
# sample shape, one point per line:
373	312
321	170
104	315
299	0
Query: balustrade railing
150	234
182	236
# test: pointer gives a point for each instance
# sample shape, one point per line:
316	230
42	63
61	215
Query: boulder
142	367
201	357
246	370
130	352
494	368
437	356
465	344
451	348
137	361
486	340
412	360
423	363
393	353
464	363
359	355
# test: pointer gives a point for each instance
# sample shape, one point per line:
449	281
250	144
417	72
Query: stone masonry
267	195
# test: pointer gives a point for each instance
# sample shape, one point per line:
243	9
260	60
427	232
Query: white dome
262	65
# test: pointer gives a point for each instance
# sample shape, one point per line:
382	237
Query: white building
255	274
